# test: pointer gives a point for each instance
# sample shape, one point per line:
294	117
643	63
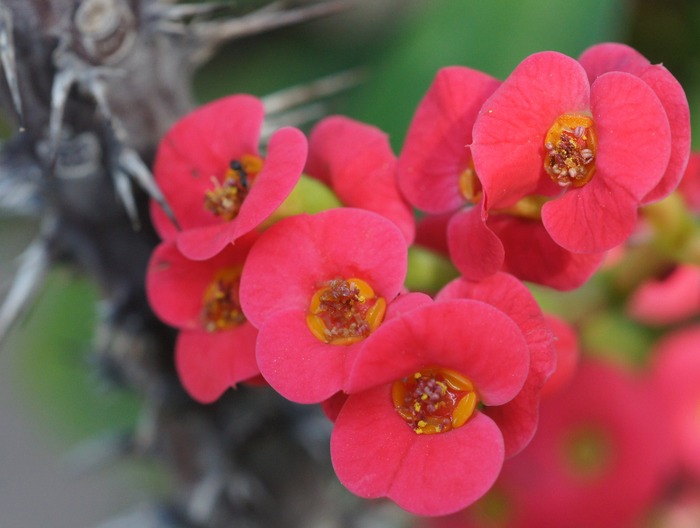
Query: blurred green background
399	44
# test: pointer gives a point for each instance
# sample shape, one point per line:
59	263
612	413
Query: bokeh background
53	406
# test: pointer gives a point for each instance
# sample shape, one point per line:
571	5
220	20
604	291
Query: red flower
676	369
411	428
600	456
516	419
356	161
591	151
603	58
317	286
216	181
216	346
437	175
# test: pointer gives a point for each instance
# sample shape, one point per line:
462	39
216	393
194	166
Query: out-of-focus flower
676	370
215	179
597	459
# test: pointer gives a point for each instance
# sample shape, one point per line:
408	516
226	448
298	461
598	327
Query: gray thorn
62	83
122	184
32	271
7	56
131	162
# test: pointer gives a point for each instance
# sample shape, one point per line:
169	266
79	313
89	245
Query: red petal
607	57
532	255
210	363
296	364
674	101
676	368
612	56
476	250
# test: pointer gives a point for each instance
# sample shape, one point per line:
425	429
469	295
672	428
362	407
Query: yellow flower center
227	196
571	147
221	308
343	311
435	400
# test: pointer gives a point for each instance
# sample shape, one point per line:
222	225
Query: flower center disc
221	308
343	312
226	198
571	147
434	400
588	452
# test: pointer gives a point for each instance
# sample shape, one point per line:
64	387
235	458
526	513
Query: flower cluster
302	263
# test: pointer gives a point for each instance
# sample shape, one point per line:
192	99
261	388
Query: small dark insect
242	176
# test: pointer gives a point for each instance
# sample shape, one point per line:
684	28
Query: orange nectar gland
571	147
221	307
343	312
469	184
435	400
226	198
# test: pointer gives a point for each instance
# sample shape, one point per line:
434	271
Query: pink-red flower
437	175
676	370
215	179
600	456
317	287
356	161
411	428
588	152
215	348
